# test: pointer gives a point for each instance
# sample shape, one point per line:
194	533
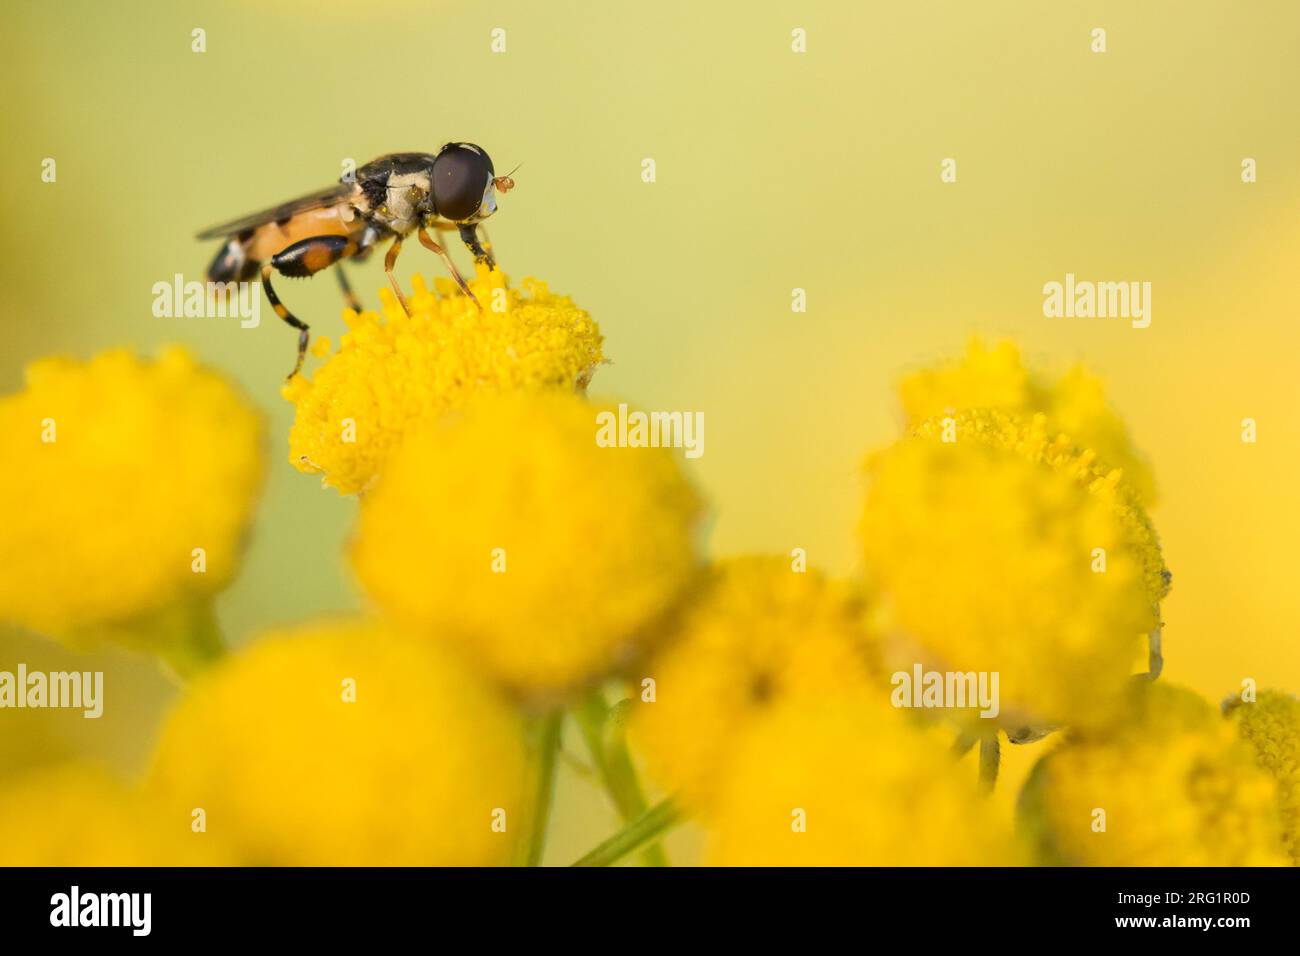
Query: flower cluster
515	570
1167	784
127	492
342	744
996	379
1271	726
395	372
510	533
753	636
999	547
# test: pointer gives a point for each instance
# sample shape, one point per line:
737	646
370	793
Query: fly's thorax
407	201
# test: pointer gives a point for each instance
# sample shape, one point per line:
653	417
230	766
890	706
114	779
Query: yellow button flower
1167	784
755	634
1271	725
996	379
77	815
836	783
127	491
394	373
341	744
512	534
998	549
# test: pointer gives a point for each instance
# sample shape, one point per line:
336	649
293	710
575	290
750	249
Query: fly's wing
317	200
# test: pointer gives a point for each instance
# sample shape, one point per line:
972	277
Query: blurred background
775	170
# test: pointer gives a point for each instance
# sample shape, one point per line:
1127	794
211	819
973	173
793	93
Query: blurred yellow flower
127	491
820	782
755	634
1167	784
393	374
511	533
342	744
76	815
1271	725
998	549
996	379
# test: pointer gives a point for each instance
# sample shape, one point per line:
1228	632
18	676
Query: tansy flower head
1271	725
1165	784
755	634
127	489
851	783
77	815
394	373
996	379
341	744
511	533
997	548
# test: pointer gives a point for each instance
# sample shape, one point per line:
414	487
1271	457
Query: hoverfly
390	197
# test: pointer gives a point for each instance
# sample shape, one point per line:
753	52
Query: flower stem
189	639
608	747
543	744
636	834
990	758
962	745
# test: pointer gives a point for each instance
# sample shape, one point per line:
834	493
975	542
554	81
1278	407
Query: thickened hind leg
302	259
303	332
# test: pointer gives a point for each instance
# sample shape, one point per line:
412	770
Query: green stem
609	752
990	758
189	639
543	744
636	834
962	745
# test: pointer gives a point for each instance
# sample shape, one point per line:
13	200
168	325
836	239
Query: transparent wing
317	200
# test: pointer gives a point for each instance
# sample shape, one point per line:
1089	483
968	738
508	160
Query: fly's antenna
506	183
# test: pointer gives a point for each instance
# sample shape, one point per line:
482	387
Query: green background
775	170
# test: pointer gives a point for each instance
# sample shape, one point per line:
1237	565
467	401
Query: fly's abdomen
232	264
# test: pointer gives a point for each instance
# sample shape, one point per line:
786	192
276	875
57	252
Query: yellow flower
392	375
341	744
512	534
76	815
754	635
996	379
1167	784
985	552
834	783
117	471
1271	725
985	378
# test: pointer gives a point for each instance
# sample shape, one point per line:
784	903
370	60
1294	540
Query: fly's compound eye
462	180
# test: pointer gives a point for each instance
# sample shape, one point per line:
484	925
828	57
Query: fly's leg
469	236
287	316
427	241
390	260
302	259
349	296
